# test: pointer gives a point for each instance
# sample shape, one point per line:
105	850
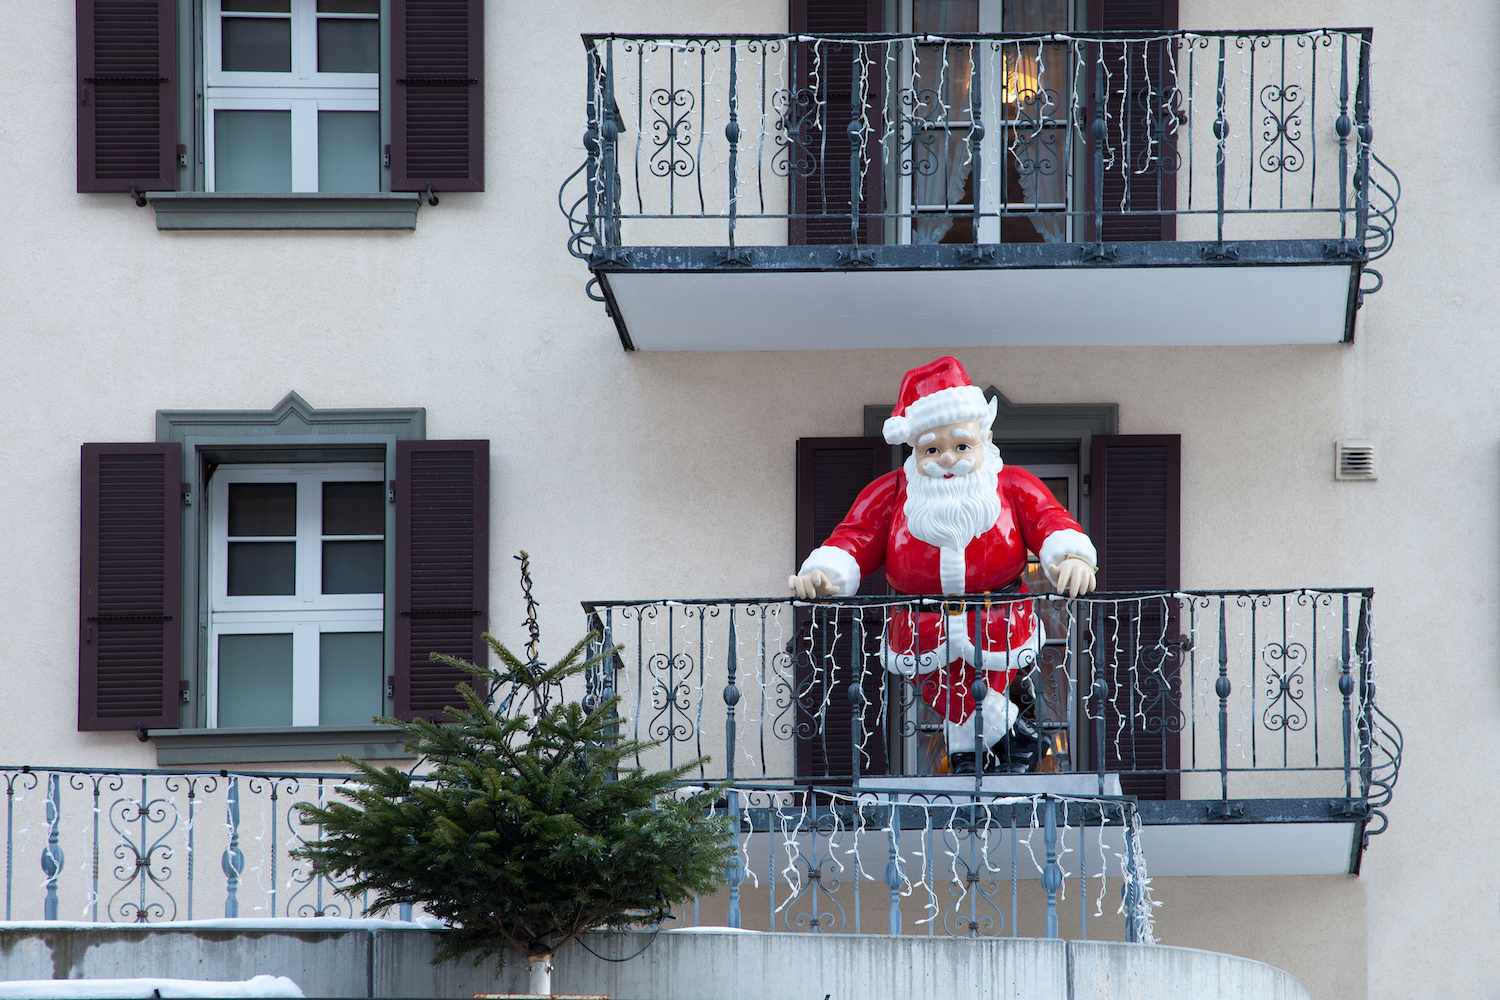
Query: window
292	96
280	114
1025	124
297	584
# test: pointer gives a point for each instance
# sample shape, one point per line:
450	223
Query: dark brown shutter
821	123
127	95
1135	498
437	95
830	474
130	587
1151	186
442	568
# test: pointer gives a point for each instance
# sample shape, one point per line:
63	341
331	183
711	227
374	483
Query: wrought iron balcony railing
154	846
799	153
1206	706
1184	726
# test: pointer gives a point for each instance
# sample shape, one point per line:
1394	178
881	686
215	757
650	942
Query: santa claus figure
956	520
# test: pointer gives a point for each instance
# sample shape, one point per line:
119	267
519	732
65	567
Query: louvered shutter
437	95
130	587
127	95
822	120
442	569
1135	182
830	474
1135	497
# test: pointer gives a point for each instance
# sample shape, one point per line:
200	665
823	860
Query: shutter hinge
390	492
390	688
187	494
385	158
1086	484
183	687
182	160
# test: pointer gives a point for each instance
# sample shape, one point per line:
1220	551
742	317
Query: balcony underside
779	298
1189	837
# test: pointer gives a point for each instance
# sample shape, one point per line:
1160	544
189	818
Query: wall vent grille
1354	460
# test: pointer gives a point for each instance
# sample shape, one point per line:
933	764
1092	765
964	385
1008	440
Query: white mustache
932	469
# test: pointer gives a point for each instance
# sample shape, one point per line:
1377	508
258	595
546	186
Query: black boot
961	762
1019	750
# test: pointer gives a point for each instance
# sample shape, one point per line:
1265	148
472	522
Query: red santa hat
933	395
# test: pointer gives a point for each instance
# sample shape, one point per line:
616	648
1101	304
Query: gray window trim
176	747
292	428
294	215
178	210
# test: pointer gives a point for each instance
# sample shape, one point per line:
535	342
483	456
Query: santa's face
951	485
952	450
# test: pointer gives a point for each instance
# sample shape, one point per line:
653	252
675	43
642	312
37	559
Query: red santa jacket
874	534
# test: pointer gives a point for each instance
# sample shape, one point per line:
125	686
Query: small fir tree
531	825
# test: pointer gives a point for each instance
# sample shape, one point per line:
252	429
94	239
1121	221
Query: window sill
280	744
178	210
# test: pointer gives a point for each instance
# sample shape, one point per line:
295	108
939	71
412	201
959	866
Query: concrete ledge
203	210
381	959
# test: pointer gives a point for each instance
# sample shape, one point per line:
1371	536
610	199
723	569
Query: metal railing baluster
52	855
856	141
1221	135
1346	687
1341	126
233	861
1223	687
1051	873
732	134
733	875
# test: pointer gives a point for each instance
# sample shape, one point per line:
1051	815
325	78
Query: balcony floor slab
1065	295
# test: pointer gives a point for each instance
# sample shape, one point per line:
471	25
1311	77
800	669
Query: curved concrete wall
698	965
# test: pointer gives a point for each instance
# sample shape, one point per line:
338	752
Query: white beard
950	513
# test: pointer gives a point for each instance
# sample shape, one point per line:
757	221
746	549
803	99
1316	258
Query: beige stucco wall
635	475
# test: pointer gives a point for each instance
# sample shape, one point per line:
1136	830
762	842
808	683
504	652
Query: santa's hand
1075	577
814	583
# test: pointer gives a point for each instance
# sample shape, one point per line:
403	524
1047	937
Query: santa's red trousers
1006	633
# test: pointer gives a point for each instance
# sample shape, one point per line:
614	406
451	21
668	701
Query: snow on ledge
129	989
320	924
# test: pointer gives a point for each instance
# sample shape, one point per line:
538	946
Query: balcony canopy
781	192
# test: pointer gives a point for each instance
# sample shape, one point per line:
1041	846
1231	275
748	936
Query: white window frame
991	14
305	615
303	91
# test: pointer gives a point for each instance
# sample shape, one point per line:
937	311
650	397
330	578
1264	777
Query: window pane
261	509
1035	170
257	44
354	508
1036	15
940	17
353	567
942	88
270	6
346	46
262	569
253	151
942	161
349	151
348	6
349	677
255	680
